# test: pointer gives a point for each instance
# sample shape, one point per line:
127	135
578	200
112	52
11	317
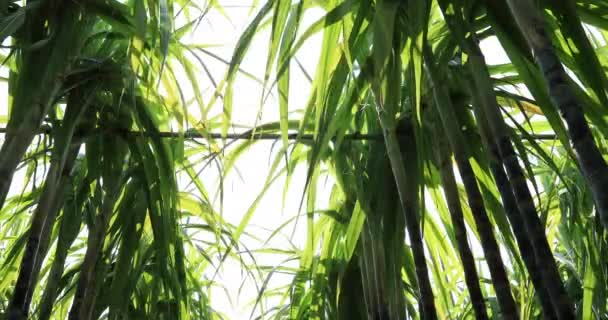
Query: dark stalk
452	196
58	178
509	203
484	227
505	152
591	162
86	290
248	135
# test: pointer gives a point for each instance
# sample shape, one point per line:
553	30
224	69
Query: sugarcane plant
459	188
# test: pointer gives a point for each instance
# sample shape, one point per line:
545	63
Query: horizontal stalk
249	135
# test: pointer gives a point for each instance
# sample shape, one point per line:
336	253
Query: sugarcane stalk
497	142
412	223
114	154
501	149
62	160
408	203
591	162
38	240
86	290
70	226
483	225
511	209
383	69
450	189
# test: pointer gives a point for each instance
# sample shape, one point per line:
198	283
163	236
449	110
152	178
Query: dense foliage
461	189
